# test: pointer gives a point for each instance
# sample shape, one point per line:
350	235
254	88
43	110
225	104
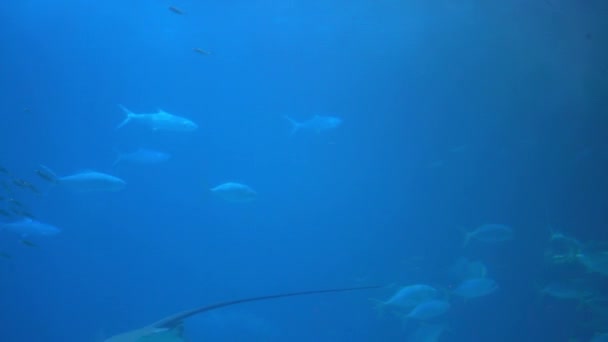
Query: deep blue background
455	114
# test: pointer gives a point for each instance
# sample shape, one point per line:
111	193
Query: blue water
455	114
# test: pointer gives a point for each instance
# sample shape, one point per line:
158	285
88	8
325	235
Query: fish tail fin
295	126
129	116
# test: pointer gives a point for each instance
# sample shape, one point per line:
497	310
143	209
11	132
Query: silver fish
159	121
235	192
409	296
429	309
28	227
88	181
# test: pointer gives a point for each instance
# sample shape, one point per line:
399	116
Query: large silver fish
28	227
85	181
159	121
171	329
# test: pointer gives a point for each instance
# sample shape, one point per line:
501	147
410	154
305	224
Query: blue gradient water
455	114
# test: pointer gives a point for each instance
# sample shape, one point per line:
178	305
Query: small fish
159	121
411	295
201	51
88	181
562	249
5	213
429	309
477	287
4	170
235	192
44	173
5	255
176	10
490	233
142	156
28	227
25	185
28	243
15	203
594	261
577	289
316	124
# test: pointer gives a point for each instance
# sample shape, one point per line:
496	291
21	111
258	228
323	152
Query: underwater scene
304	170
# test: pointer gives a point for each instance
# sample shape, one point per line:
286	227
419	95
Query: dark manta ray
170	329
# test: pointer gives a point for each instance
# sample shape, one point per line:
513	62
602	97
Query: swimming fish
142	156
476	287
28	243
5	255
176	10
409	296
490	233
159	121
595	261
28	227
429	309
316	124
578	289
171	329
87	181
22	183
4	213
201	51
235	192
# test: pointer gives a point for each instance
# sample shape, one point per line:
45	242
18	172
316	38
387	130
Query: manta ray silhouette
170	329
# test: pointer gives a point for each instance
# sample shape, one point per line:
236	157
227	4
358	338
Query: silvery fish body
235	192
412	295
88	181
569	289
429	309
477	287
594	261
143	156
159	121
29	227
317	124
